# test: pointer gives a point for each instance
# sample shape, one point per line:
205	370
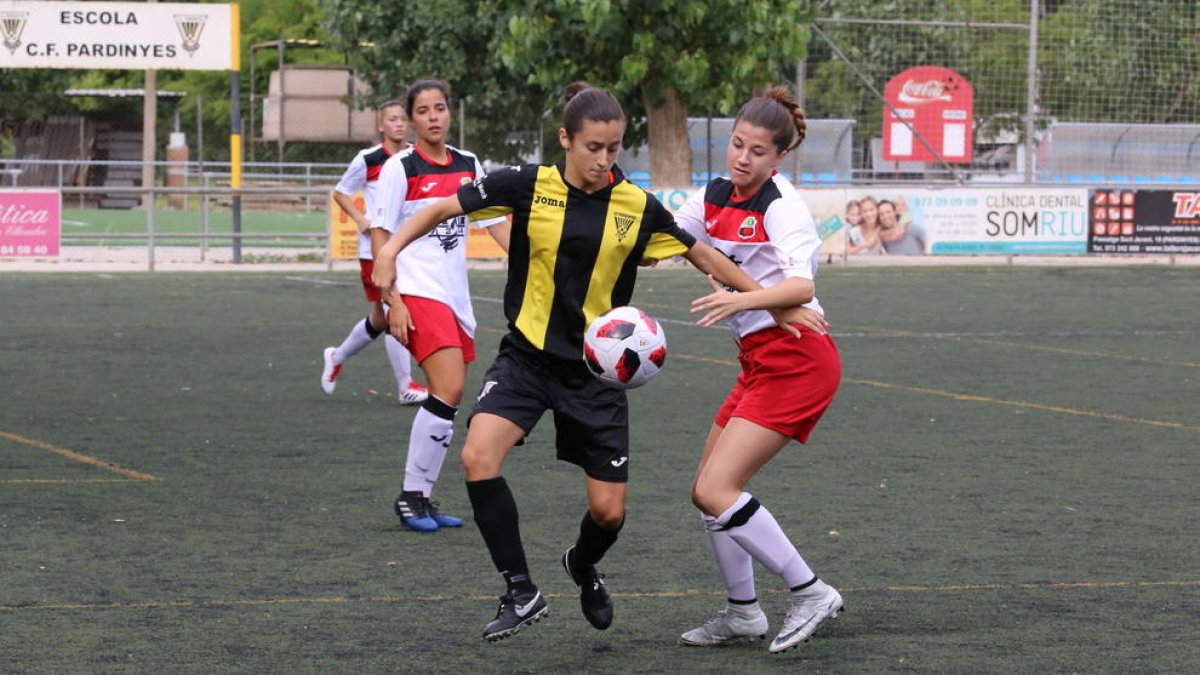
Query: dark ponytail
583	102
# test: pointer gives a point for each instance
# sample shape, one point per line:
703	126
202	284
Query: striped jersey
363	175
770	235
572	255
435	265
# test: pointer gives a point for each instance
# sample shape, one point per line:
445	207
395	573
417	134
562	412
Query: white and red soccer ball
625	347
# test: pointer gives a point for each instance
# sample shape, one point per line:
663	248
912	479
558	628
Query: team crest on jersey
450	233
464	181
624	221
748	228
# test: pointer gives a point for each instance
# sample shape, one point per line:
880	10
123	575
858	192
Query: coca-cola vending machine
939	104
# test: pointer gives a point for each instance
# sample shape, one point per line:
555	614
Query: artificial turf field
1007	482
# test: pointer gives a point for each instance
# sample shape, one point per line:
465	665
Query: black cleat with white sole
515	612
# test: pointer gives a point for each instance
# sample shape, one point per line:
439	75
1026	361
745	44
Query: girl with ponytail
756	218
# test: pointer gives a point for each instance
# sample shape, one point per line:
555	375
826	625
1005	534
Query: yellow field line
78	457
1025	404
1084	352
56	481
1032	347
393	599
988	399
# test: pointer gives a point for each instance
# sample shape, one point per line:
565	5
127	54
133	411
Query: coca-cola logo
918	93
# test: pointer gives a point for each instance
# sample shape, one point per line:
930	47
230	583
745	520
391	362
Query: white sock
761	537
355	342
432	431
401	361
734	564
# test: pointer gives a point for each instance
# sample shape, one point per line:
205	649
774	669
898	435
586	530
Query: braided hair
777	111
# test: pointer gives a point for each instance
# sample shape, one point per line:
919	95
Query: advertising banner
118	35
30	223
343	232
1144	221
966	221
824	203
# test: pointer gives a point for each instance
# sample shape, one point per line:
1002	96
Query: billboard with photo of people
883	222
966	221
886	220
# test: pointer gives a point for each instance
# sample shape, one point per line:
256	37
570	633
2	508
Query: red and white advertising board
939	104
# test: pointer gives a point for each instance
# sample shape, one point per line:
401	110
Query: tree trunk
670	148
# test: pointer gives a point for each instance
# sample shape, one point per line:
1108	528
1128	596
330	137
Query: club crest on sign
12	24
190	27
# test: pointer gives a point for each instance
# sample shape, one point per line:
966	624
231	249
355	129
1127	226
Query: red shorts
436	328
786	383
365	267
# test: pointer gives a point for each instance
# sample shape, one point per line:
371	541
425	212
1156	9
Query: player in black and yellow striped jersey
579	232
573	255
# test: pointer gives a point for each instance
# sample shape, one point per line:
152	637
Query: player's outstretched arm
786	313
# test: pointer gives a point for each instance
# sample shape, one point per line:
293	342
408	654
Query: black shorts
591	420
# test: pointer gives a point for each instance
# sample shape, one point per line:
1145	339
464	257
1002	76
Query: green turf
1007	482
96	227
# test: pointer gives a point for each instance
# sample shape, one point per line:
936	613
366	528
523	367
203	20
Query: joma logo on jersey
624	221
549	201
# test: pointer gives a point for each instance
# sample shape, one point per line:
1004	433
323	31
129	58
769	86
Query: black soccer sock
496	515
594	541
372	331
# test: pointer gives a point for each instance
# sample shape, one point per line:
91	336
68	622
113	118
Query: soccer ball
625	347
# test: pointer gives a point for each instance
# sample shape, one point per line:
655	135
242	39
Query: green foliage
32	95
396	43
715	54
1109	63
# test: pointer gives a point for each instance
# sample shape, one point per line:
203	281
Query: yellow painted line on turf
1031	347
1025	404
56	481
78	457
1084	352
426	599
705	359
978	399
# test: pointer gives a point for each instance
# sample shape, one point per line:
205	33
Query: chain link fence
1100	91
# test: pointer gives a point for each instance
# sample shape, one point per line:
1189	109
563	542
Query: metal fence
204	236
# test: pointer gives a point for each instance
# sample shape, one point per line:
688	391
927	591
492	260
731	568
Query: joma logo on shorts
549	201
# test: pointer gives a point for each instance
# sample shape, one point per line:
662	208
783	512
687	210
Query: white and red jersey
363	175
434	266
771	235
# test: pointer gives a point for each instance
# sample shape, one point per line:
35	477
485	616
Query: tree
1103	61
396	43
663	57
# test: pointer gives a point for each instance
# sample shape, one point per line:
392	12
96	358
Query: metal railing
311	175
205	234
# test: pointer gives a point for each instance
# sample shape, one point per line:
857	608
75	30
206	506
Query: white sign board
118	35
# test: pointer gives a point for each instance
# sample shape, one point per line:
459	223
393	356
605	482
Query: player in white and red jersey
430	302
757	219
363	176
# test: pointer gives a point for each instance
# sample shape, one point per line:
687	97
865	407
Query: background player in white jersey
363	176
430	302
757	219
